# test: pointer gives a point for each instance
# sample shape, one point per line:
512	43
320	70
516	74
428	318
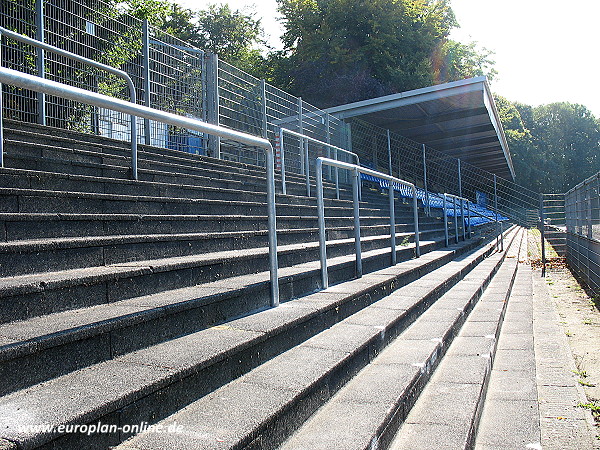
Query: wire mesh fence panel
582	217
177	85
553	206
418	164
102	32
240	108
97	31
19	16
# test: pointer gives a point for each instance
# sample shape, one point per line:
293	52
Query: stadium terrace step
127	301
178	371
34	294
140	321
27	226
463	375
262	407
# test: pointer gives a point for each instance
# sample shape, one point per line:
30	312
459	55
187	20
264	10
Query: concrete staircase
126	304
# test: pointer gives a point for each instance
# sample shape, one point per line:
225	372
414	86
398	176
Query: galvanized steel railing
356	171
304	140
37	84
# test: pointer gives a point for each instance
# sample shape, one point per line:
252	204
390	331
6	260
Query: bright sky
545	50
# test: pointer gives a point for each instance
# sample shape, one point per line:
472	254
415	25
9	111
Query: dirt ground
580	319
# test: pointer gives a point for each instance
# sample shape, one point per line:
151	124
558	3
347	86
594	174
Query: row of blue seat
479	214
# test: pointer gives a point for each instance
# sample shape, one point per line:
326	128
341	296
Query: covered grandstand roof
458	118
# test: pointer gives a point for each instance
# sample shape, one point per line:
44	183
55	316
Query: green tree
453	61
337	51
553	146
235	35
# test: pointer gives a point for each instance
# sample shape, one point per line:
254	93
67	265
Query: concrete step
36	134
77	155
151	383
48	201
176	174
463	375
49	255
366	412
48	181
510	416
263	406
52	345
26	226
35	294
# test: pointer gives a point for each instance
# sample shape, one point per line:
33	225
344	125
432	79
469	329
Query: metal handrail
26	81
357	170
305	139
470	211
59	51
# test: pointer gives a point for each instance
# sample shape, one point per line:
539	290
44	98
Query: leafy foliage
553	146
339	51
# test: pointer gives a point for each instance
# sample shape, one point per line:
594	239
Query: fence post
301	141
543	235
147	82
212	103
40	60
282	155
462	218
428	207
446	222
392	222
307	164
498	224
1	114
321	223
460	179
589	210
389	149
263	90
328	140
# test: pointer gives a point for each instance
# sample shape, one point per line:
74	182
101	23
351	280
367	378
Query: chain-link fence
582	212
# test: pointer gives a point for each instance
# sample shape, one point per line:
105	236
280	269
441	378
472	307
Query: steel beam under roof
458	118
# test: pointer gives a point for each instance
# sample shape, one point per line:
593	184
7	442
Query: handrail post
392	223
469	218
428	207
356	209
321	221
282	157
455	220
446	220
272	225
416	219
337	182
462	217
